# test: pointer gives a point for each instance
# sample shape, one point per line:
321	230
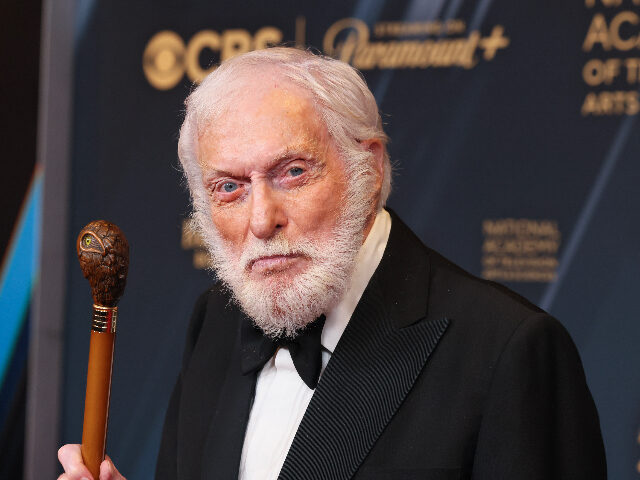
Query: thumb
108	470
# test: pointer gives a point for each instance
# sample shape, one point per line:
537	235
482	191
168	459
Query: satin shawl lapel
381	353
228	426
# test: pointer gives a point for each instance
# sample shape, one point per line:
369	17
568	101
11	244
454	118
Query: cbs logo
166	58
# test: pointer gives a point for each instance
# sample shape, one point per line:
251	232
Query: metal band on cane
104	319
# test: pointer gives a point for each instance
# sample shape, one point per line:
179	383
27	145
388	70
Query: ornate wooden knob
103	252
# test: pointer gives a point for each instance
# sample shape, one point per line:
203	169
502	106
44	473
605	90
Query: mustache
276	246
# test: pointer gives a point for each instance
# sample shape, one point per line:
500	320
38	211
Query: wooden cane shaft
96	403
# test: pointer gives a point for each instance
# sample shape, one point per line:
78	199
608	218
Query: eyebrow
287	154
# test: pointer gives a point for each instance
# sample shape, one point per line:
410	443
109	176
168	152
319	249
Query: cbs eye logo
167	58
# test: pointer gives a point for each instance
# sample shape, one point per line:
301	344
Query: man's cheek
229	228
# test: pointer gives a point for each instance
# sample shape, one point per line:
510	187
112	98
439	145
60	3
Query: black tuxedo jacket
438	375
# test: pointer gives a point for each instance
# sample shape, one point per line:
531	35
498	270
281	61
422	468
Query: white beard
281	307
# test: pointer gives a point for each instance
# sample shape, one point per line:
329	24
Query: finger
108	470
71	459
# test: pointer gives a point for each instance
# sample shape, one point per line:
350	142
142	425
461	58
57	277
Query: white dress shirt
281	396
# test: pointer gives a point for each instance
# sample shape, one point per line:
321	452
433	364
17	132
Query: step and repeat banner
516	144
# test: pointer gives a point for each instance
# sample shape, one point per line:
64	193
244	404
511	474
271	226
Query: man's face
283	239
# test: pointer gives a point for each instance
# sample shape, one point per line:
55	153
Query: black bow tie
305	349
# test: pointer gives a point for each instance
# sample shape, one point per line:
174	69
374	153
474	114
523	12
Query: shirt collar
367	261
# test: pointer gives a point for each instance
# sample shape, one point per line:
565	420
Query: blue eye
229	187
296	171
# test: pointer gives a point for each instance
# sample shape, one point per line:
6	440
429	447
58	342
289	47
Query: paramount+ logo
167	58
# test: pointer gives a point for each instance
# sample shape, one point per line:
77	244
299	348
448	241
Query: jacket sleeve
539	421
167	465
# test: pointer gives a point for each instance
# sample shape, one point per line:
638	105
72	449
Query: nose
267	214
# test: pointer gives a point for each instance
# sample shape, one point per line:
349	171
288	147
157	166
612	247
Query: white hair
341	97
348	109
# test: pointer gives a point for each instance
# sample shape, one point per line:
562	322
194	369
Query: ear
376	148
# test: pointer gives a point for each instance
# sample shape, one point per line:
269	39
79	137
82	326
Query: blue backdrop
515	142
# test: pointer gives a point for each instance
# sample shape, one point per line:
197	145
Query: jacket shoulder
487	318
450	290
209	308
463	292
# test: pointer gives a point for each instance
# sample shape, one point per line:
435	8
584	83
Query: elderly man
336	345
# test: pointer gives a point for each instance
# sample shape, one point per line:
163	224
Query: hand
74	469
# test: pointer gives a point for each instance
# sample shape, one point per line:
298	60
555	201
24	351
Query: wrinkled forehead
267	119
220	94
250	98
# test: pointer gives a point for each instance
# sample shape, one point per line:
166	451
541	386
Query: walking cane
103	252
